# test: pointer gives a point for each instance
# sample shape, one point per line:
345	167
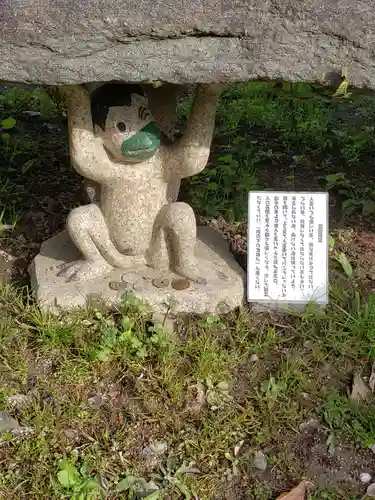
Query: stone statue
115	142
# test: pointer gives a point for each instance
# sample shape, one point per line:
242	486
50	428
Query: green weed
101	386
18	99
333	494
359	197
346	416
145	390
169	480
76	483
271	126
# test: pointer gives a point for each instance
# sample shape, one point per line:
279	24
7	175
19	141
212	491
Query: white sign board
287	248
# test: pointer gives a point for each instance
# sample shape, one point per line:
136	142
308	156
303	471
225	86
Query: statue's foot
190	271
81	270
129	261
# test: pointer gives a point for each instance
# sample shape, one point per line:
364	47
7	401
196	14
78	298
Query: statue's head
121	117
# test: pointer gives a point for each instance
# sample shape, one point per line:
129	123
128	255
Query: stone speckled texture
137	219
225	288
182	41
136	234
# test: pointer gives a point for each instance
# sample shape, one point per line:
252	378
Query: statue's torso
131	204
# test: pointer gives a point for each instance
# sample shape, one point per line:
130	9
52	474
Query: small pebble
365	477
7	422
18	401
372	448
154	449
86	322
308	344
95	402
310	425
23	431
260	460
254	358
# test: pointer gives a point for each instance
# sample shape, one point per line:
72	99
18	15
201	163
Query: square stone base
224	291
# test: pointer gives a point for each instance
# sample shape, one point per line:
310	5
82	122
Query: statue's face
131	134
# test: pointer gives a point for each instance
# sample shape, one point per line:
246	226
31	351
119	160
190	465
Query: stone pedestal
224	291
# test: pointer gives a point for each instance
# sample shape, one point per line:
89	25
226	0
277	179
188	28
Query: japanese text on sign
287	247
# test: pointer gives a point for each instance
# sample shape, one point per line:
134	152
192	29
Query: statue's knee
179	214
80	218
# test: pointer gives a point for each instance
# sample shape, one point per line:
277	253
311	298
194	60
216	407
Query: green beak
143	144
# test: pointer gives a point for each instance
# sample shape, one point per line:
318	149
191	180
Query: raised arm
88	155
189	155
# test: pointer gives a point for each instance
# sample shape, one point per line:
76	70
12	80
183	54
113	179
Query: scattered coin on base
160	282
118	285
140	286
180	284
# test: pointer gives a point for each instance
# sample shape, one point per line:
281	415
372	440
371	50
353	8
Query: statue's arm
189	155
88	155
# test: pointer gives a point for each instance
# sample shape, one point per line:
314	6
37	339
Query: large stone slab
225	289
183	41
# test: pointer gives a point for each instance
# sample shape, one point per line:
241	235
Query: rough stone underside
224	291
185	41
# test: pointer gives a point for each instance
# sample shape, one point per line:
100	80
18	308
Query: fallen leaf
331	242
360	391
371	382
342	89
8	123
297	493
342	259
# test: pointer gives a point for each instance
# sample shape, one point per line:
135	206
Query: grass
97	389
297	129
261	128
21	151
145	381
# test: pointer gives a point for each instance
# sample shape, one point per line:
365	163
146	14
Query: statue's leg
157	255
176	222
88	231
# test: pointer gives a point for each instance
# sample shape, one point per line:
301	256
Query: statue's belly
130	217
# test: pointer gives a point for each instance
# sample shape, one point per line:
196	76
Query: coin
160	282
129	277
140	286
118	285
180	283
